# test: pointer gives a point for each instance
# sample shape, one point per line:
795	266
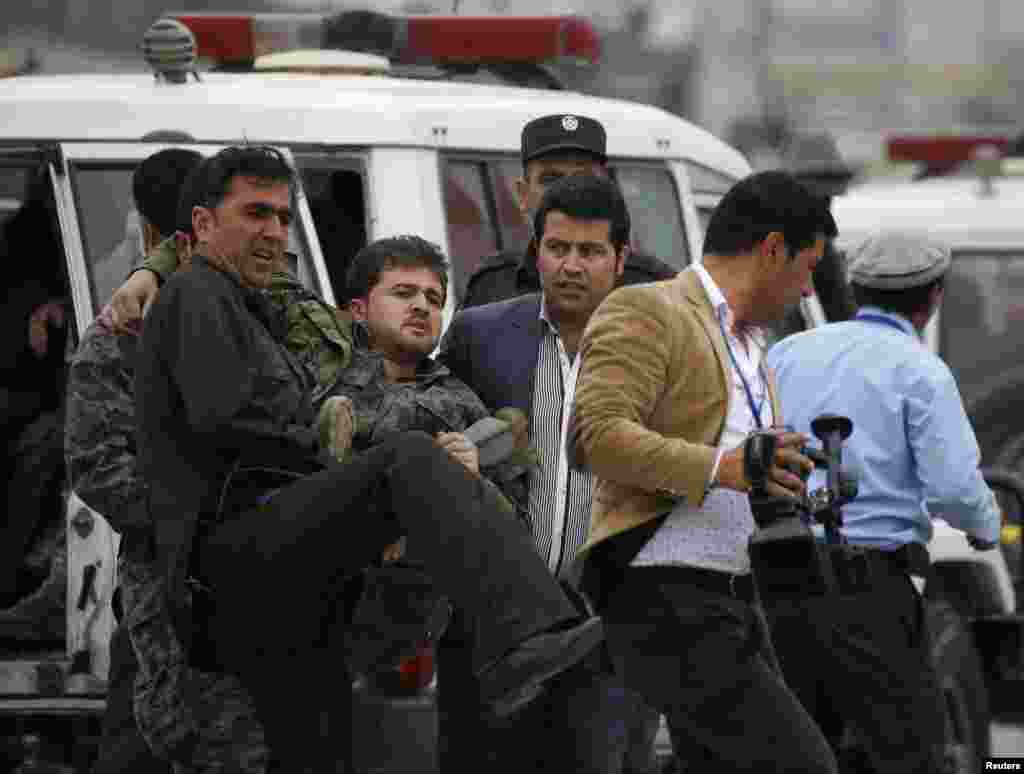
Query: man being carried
235	470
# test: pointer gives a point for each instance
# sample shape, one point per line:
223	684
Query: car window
483	217
982	318
32	245
111	231
514	230
657	221
13	183
335	188
471	222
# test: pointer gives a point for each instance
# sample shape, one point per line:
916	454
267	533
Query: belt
715	581
861	568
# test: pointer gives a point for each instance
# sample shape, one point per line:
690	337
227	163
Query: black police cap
563	132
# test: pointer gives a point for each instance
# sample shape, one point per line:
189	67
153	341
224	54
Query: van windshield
112	234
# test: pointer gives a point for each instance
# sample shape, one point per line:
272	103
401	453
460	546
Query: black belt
715	581
862	568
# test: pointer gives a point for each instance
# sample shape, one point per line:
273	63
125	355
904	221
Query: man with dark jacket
522	353
553	147
243	501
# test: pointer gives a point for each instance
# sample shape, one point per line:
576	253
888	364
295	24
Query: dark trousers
863	659
276	575
32	471
586	721
704	660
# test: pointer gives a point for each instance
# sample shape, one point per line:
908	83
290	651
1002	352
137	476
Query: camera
785	556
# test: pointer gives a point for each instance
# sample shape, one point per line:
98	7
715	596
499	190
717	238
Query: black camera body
785	557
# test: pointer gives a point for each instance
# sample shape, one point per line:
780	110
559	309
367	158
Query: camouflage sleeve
319	335
99	432
163	260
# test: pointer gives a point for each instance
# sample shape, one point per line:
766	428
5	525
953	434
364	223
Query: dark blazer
494	348
213	389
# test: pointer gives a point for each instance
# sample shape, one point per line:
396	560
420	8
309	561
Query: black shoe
518	677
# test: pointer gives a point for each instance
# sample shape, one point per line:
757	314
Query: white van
380	153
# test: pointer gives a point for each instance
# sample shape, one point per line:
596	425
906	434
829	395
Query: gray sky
672	20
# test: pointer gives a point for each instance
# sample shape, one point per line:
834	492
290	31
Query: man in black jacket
553	147
244	503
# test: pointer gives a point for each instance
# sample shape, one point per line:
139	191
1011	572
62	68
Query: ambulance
396	124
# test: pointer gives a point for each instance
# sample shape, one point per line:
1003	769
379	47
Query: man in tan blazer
672	382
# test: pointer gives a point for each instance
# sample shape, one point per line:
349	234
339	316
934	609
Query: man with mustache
523	353
244	500
552	147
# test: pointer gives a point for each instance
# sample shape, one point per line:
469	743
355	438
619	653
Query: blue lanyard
877	318
755	409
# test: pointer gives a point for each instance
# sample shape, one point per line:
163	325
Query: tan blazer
651	401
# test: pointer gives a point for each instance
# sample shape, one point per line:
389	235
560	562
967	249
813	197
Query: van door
39	331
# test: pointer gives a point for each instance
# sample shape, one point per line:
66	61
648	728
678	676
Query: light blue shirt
912	444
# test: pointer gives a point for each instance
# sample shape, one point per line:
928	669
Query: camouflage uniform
217	730
318	335
435	402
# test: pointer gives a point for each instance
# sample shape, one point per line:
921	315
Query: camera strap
755	408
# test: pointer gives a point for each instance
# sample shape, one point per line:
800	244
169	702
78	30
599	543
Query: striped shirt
559	504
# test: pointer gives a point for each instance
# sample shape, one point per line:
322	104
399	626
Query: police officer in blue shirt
861	656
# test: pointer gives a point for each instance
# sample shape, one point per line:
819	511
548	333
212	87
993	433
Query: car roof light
475	39
242	38
438	40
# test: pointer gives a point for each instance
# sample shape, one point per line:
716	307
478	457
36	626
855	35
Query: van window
653	201
32	381
981	318
111	231
484	218
335	188
472	230
13	183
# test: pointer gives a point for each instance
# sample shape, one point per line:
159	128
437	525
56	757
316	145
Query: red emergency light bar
437	40
941	151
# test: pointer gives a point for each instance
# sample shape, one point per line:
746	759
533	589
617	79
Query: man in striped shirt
523	353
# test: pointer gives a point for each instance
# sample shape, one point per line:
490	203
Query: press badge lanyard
755	408
877	318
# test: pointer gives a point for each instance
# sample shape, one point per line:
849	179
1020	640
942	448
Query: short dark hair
157	183
765	202
392	253
256	161
586	197
570	154
189	198
905	302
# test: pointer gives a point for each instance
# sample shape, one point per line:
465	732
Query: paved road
1007	740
